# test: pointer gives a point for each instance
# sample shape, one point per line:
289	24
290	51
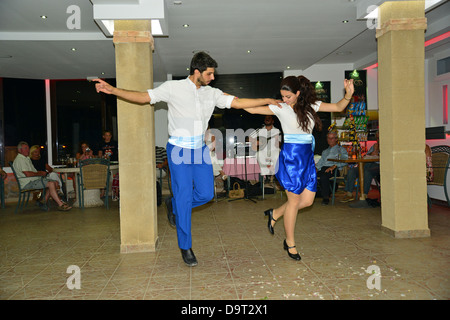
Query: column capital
128	36
402	24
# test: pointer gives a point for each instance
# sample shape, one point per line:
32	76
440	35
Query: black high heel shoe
269	223
294	256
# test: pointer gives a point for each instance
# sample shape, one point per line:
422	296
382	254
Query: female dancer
296	169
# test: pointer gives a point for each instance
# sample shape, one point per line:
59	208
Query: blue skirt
296	168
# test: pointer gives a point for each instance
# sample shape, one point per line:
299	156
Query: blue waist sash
188	142
300	139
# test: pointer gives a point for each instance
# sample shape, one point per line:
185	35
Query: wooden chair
24	192
94	174
440	156
263	190
339	176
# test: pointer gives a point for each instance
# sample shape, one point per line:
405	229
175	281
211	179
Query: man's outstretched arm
132	96
251	103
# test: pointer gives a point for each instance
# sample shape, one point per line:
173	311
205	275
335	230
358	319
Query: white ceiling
294	33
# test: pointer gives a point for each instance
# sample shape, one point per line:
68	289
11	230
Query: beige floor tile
238	258
169	281
219	292
168	294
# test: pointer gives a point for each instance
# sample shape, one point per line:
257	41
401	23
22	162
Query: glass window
78	113
81	116
78	116
24	114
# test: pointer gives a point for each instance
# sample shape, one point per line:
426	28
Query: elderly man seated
32	178
325	168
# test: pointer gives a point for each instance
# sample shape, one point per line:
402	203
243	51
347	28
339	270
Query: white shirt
21	164
288	118
189	107
267	138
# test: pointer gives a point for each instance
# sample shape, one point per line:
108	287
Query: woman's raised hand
349	87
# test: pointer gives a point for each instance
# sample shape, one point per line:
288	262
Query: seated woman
84	152
41	165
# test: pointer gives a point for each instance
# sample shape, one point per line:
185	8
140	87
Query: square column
401	96
137	167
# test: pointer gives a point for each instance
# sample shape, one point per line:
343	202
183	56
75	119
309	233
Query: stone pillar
401	98
137	169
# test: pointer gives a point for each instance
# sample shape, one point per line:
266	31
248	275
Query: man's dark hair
201	61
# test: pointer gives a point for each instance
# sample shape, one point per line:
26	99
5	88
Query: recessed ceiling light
44	17
185	26
344	21
249	51
74	49
288	67
177	2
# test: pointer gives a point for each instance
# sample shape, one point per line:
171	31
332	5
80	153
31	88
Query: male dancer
191	103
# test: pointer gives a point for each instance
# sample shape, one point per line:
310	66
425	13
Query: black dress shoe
269	223
170	215
294	256
189	257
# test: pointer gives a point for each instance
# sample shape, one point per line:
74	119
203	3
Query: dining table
244	168
360	161
91	197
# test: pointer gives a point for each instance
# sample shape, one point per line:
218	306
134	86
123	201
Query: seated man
109	148
266	142
24	169
219	175
325	168
161	162
162	169
371	170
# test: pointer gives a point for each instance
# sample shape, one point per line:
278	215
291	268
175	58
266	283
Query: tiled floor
238	258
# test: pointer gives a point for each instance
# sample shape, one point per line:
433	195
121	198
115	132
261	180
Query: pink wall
439	142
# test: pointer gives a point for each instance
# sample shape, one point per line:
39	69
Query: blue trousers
192	180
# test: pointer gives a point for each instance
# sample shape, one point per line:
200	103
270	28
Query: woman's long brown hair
304	102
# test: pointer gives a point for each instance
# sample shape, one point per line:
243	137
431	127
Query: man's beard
202	82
